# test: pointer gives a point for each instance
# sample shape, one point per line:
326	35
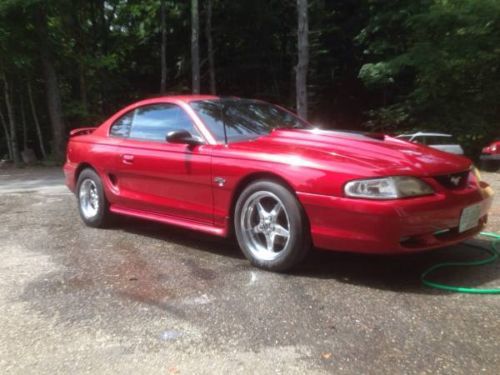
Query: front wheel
271	227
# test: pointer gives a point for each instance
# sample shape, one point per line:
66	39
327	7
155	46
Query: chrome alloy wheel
89	199
265	225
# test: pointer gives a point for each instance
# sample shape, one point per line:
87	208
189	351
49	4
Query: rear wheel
270	226
92	203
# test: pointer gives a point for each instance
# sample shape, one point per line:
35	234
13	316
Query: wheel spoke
280	231
261	211
254	229
275	211
270	241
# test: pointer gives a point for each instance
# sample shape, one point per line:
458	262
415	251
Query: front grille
454	180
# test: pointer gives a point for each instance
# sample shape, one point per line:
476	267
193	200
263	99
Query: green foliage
443	70
392	65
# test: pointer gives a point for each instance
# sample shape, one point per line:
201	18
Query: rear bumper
392	226
69	170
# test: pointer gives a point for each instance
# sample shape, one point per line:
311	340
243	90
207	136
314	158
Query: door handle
128	159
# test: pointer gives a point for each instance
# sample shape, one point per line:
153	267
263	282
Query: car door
155	176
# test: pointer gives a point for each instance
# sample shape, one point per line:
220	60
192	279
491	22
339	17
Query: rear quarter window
121	127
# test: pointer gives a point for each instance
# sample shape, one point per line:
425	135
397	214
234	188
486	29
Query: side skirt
189	224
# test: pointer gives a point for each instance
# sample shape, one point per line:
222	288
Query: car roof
426	134
187	98
169	99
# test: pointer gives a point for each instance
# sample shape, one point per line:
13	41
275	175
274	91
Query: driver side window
153	122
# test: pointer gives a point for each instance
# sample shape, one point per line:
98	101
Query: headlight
387	188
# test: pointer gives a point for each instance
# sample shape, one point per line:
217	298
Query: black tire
294	247
102	215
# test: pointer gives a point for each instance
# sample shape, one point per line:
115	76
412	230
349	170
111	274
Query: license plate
470	217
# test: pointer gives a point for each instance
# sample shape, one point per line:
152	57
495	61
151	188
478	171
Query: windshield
244	119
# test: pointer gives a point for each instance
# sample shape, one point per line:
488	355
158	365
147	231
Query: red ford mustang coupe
230	165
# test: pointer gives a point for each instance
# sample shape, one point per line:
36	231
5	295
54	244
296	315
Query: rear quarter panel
94	151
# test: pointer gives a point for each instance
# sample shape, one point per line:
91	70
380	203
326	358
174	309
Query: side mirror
182	137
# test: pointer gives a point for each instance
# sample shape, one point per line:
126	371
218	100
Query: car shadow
387	272
178	236
403	272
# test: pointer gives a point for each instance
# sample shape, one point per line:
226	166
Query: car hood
334	150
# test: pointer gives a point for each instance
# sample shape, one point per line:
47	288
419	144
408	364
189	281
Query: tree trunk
51	87
12	123
80	47
83	85
23	122
195	48
208	35
7	136
303	58
163	83
104	26
37	123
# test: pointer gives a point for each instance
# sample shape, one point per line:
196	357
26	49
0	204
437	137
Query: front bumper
393	226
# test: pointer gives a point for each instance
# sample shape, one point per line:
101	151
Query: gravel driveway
146	298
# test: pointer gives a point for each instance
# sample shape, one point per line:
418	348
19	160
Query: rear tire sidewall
100	219
299	242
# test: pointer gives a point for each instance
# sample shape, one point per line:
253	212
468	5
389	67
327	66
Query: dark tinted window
440	140
153	122
121	127
435	140
243	118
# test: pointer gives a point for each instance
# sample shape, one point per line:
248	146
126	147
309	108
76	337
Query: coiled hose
493	251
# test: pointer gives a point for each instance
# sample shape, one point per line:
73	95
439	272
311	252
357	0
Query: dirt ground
146	298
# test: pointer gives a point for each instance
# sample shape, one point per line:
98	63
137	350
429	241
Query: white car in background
440	141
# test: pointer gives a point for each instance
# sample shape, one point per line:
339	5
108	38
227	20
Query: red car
490	156
230	165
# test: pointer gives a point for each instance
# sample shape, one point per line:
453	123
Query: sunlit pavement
149	298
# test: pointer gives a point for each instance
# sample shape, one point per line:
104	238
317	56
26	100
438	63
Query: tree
23	121
210	48
303	58
12	130
392	65
163	28
51	86
36	122
195	48
7	136
437	64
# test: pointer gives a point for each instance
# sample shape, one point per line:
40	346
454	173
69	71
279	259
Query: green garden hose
493	251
